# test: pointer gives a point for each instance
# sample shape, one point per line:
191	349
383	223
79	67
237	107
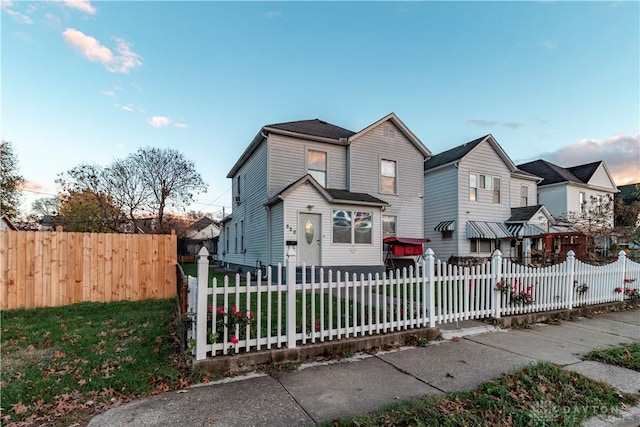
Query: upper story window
238	190
524	196
482	183
496	190
473	187
352	227
583	202
388	175
317	166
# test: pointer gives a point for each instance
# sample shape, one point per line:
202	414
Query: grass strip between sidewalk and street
541	394
626	356
61	365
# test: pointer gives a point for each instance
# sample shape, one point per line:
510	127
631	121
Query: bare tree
171	178
128	189
595	220
46	206
10	181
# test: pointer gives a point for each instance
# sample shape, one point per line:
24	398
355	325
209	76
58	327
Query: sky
93	81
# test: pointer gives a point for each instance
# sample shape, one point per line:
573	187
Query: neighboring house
568	192
329	193
469	193
6	224
203	232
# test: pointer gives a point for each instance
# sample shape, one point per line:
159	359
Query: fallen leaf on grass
19	408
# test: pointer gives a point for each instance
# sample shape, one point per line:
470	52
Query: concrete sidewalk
325	391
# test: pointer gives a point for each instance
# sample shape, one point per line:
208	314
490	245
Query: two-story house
330	193
473	194
569	192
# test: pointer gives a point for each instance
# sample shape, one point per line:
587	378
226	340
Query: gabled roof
201	224
585	172
391	117
314	127
550	173
331	195
458	153
8	222
526	213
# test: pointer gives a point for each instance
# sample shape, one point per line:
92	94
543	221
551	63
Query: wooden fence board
46	269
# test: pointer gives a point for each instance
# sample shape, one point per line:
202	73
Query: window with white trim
352	227
496	190
241	236
235	249
389	225
388	174
524	196
481	246
473	187
583	202
317	166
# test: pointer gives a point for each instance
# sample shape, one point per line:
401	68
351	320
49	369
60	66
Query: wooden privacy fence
257	314
49	269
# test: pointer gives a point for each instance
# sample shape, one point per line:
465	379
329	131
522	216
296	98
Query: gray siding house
469	193
329	193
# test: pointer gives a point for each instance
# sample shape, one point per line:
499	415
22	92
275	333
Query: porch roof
487	230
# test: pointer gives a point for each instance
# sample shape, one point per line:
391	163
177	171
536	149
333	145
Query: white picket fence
256	313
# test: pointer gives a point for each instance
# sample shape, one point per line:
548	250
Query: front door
309	239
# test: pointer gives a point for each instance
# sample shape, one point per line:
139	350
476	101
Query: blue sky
93	81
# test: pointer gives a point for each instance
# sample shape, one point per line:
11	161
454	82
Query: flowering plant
629	292
232	320
518	293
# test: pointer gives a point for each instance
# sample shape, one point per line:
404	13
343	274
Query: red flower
250	314
529	287
234	340
618	290
629	280
234	308
629	290
316	325
239	315
220	310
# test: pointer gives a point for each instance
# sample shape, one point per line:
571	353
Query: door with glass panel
309	238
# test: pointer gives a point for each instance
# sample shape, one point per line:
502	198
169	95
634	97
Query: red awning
405	240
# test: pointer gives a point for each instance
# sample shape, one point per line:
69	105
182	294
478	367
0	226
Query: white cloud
82	5
94	51
109	93
182	125
53	20
621	153
159	121
127	107
6	5
481	122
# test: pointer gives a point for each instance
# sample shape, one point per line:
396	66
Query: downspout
268	231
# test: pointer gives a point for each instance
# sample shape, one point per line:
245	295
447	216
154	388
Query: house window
235	248
483	181
317	166
481	246
241	236
447	234
226	236
599	204
524	196
473	187
388	177
352	227
496	190
389	225
583	202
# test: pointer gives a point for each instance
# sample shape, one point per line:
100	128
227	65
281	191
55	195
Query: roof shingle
314	127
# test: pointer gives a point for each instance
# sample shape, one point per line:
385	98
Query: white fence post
429	275
201	310
622	259
496	271
291	297
571	262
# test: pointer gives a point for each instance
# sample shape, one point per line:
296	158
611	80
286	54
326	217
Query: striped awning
445	226
487	230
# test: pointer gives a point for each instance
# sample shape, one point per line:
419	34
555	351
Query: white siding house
468	195
326	192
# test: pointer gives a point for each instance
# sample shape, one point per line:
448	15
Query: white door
309	239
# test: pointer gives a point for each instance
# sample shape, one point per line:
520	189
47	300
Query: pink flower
250	314
316	325
220	310
239	315
529	288
629	280
629	290
234	340
234	308
618	290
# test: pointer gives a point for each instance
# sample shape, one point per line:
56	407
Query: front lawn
540	395
62	365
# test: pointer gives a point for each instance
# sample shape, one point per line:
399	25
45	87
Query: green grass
542	394
627	356
60	363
